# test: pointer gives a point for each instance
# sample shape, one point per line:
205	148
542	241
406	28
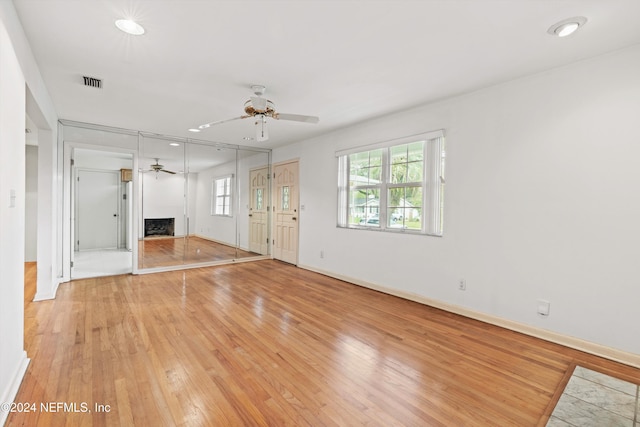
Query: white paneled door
258	211
285	245
97	214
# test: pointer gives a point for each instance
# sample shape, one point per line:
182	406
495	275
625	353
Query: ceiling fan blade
208	125
296	118
166	171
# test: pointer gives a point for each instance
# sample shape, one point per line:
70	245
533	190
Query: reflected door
285	245
258	211
97	202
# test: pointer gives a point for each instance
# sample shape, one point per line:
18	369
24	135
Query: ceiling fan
157	167
260	108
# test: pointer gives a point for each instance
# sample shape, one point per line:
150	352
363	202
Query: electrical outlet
321	253
462	285
543	307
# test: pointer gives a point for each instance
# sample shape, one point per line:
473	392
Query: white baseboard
40	296
616	355
9	394
211	239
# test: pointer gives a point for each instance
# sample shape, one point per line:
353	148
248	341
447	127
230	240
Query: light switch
12	198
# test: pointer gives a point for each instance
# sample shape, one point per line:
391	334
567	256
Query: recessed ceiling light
130	27
194	130
567	26
174	144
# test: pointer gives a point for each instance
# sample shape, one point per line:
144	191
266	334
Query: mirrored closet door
201	203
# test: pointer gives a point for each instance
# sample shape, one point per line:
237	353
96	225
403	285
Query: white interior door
285	245
97	202
258	211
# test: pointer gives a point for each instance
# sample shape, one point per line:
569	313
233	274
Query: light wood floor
266	343
163	252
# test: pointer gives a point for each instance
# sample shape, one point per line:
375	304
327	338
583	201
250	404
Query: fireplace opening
159	227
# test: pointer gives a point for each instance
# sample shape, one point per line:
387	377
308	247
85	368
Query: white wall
13	360
39	107
22	90
219	228
31	204
541	201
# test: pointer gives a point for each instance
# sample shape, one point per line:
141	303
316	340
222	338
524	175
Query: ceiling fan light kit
261	108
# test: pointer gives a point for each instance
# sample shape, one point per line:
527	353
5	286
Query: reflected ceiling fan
260	108
157	167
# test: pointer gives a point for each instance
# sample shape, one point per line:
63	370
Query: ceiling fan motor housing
259	106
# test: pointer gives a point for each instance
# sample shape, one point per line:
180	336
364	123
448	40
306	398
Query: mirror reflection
189	203
201	203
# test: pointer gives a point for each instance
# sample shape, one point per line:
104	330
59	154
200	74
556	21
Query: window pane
396	197
359	161
357	205
220	205
371	216
407	163
416	151
399	154
374	175
259	199
398	173
285	198
413	219
395	217
414	171
365	168
404	205
375	157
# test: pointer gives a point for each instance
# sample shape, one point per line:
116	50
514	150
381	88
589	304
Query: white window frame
432	184
227	196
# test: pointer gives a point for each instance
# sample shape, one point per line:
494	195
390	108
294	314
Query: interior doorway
101	204
286	196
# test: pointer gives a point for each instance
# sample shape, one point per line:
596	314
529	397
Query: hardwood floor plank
170	251
268	344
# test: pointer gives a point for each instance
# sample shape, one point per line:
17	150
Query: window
393	186
221	196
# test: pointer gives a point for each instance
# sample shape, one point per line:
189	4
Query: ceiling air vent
92	82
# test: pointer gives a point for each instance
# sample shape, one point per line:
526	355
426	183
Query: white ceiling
344	61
